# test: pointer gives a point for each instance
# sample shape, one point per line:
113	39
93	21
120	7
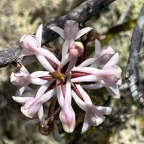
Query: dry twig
132	71
81	14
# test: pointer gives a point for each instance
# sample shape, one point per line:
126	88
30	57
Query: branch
81	14
132	71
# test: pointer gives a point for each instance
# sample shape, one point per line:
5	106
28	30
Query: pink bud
77	49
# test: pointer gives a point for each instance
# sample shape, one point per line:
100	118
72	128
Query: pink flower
64	80
34	105
23	78
102	56
67	114
109	76
70	33
94	114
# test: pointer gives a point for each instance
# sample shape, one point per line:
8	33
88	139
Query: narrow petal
39	34
84	95
113	61
60	95
105	110
79	102
38	81
89	78
87	62
43	88
21	100
58	30
86	125
41	116
40	74
65	48
45	63
20	91
23	69
89	70
82	32
49	55
47	95
68	90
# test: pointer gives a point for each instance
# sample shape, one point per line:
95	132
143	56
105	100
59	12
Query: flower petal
105	110
85	125
87	62
82	32
89	78
45	63
39	34
38	81
41	116
113	61
58	30
21	100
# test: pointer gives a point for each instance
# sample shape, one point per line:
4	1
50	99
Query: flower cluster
64	80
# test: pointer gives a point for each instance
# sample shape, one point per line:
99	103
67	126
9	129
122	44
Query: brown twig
132	71
81	14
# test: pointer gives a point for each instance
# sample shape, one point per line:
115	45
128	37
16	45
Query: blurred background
125	125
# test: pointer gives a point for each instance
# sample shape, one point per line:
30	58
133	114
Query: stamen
58	76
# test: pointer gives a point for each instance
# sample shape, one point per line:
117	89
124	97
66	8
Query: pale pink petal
21	100
31	107
89	70
68	90
45	63
38	81
67	117
93	117
82	32
60	96
87	62
30	44
65	48
86	125
70	30
104	110
89	78
40	74
77	99
84	95
58	30
49	55
43	88
41	116
20	91
39	34
24	70
47	95
113	61
67	60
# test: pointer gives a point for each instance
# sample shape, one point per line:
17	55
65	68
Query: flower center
58	76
